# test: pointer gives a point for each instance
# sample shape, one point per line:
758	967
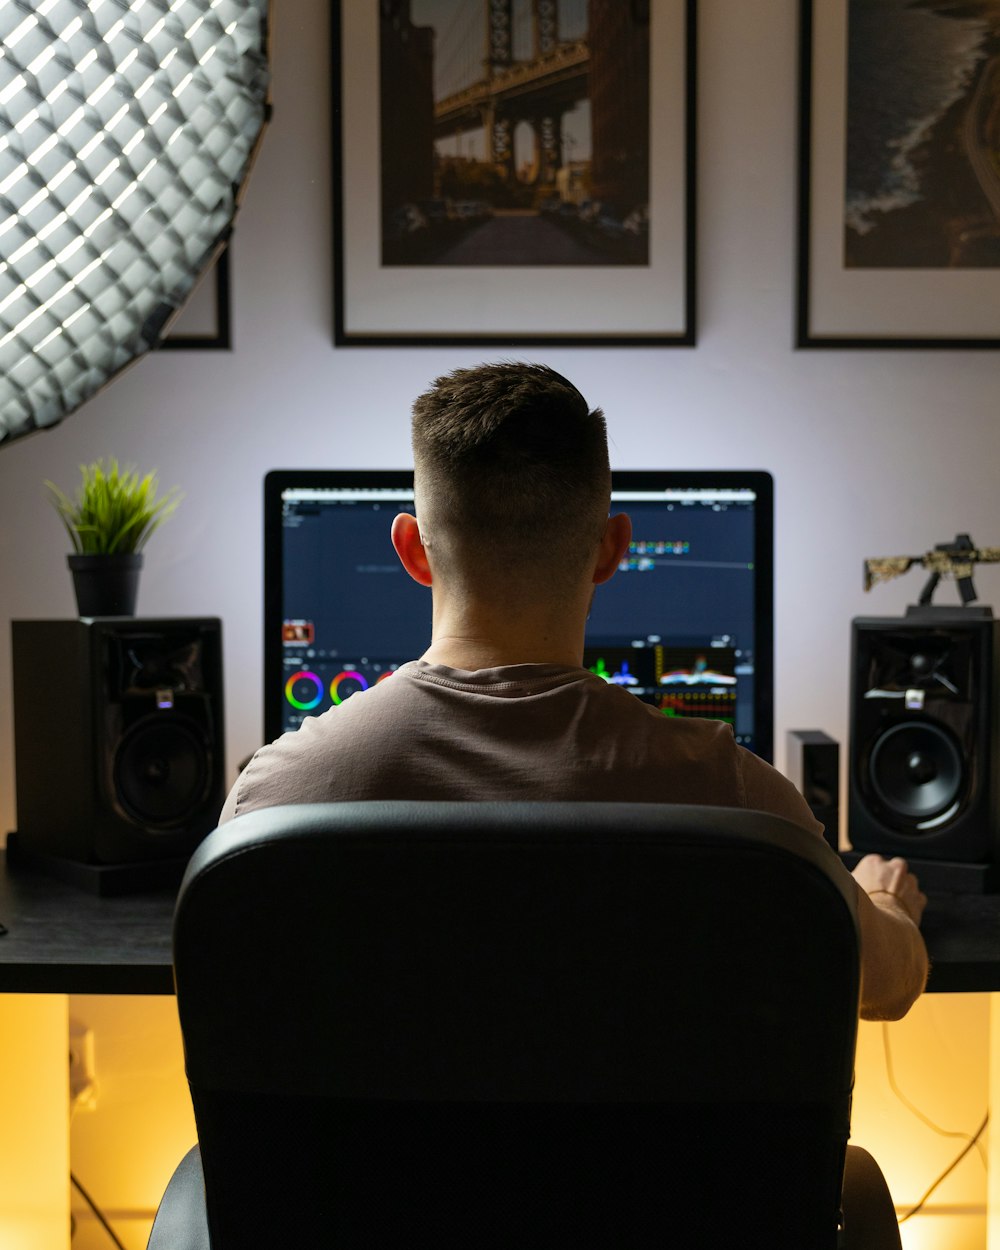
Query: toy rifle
955	559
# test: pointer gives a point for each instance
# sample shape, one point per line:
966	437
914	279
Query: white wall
873	452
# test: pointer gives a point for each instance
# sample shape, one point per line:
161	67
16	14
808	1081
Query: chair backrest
518	1025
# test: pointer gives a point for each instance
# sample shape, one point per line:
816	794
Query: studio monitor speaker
812	764
924	736
118	737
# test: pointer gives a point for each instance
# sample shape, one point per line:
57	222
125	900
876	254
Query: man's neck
474	636
470	654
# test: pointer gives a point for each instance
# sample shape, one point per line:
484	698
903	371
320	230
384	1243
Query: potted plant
109	521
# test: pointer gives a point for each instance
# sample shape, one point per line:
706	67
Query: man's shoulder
703	731
302	765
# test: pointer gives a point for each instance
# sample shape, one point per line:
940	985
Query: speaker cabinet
812	764
924	736
118	737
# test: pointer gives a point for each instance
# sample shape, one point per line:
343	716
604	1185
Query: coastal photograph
514	132
923	135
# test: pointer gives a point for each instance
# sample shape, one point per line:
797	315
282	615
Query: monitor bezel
655	480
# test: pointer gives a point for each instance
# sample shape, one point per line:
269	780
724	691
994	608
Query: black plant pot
106	585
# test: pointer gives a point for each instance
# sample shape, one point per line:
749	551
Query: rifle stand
931	613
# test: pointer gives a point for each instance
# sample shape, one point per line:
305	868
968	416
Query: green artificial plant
114	511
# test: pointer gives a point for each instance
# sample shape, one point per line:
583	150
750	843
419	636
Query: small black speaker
924	737
118	737
812	764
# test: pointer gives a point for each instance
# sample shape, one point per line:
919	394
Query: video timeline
644	555
680	681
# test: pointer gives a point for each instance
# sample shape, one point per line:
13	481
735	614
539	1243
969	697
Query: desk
62	940
962	932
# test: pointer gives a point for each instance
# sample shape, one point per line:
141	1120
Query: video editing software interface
684	624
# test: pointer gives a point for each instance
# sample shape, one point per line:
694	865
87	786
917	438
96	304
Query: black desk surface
64	940
962	932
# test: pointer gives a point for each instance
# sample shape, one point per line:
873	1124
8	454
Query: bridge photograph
514	132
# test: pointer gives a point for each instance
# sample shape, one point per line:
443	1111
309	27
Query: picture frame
885	257
205	322
504	296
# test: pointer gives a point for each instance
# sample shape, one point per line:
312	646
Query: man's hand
879	876
893	955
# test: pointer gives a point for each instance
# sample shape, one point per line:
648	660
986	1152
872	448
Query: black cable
973	1140
97	1211
948	1170
914	1110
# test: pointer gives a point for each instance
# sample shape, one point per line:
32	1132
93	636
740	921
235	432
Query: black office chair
515	1025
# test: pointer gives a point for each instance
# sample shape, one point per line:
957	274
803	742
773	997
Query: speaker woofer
161	773
916	771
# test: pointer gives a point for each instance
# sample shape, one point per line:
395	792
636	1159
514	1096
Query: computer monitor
685	624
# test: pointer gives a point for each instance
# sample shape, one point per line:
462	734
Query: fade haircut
512	473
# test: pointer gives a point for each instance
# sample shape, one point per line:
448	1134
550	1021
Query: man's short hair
510	462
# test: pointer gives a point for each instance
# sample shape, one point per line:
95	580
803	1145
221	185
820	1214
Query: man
512	535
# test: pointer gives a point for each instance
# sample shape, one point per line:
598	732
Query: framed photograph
899	195
205	321
514	172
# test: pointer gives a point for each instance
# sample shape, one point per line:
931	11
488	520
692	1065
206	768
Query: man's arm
893	955
894	961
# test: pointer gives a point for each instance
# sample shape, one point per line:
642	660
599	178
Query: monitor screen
685	624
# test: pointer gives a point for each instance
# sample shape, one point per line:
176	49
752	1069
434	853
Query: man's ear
614	544
409	547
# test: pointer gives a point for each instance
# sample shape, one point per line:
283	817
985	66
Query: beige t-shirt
522	732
